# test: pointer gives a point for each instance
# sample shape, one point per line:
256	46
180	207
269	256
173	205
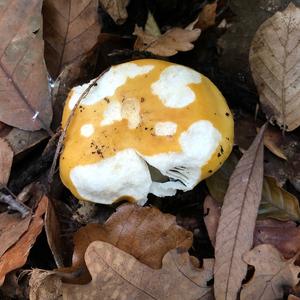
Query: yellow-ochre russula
146	126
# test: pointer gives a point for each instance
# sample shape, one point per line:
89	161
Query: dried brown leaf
16	256
53	233
22	140
116	9
23	85
277	202
71	30
285	236
6	159
272	274
144	232
212	215
121	276
275	66
44	285
273	140
237	221
168	44
11	229
207	16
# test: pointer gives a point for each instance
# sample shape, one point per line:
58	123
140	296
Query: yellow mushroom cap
147	126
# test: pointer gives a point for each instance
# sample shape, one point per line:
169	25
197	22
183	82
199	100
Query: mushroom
146	126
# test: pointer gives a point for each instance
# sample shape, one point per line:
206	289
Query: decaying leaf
272	274
71	29
275	65
168	44
11	229
144	232
212	216
237	221
285	236
6	159
23	84
116	9
121	276
22	140
207	16
273	140
16	256
277	202
53	233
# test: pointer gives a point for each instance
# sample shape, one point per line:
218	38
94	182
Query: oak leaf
71	29
167	44
275	66
272	274
116	9
237	221
16	256
118	275
144	232
6	159
24	88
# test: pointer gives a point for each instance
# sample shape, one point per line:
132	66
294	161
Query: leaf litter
81	41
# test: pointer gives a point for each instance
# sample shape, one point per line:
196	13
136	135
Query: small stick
64	131
14	204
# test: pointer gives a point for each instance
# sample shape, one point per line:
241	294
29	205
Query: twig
64	131
14	204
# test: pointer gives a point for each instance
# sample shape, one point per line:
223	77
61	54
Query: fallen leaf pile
235	236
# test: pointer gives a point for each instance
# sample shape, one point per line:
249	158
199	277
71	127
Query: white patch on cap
116	111
112	113
125	174
198	143
172	86
165	128
87	130
108	83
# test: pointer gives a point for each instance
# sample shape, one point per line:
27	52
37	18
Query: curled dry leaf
277	202
144	232
207	16
285	236
16	256
121	276
211	219
6	159
273	140
272	274
116	9
23	84
168	44
71	29
275	66
53	233
237	221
